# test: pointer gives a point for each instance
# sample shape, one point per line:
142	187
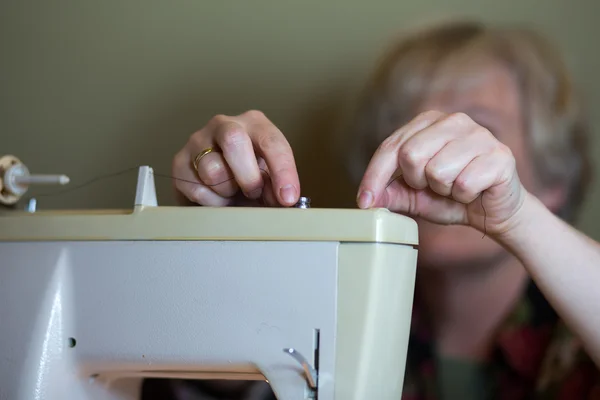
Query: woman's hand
452	170
243	154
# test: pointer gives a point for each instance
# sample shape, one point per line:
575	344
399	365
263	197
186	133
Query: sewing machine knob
303	202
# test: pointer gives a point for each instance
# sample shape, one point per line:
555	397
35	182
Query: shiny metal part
309	370
303	202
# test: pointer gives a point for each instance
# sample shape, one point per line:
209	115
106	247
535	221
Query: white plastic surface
172	309
145	192
90	320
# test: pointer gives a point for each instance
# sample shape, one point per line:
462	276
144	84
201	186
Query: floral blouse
535	358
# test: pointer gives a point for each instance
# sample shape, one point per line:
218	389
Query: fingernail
288	193
365	199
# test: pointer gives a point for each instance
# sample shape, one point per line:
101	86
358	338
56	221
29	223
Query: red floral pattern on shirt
535	358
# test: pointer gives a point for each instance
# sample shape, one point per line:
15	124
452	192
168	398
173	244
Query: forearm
565	265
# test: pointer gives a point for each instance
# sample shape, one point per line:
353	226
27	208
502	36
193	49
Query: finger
420	148
445	166
239	154
483	173
269	197
384	162
216	174
401	198
187	182
273	147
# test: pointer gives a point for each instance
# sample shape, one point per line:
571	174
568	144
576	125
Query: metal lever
309	371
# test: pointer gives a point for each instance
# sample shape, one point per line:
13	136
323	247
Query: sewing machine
315	301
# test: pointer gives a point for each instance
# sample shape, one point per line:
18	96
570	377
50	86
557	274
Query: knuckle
484	135
480	131
436	174
212	172
234	136
198	138
505	150
409	155
212	167
194	137
198	194
254	114
459	118
462	187
269	141
219	119
430	115
506	155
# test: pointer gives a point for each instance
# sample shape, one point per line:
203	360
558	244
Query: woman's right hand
250	157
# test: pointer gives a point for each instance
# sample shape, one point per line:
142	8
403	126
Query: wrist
523	224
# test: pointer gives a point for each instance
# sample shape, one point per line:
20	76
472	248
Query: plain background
92	87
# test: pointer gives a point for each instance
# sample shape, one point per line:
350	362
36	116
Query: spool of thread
15	179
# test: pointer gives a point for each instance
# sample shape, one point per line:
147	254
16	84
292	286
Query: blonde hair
553	120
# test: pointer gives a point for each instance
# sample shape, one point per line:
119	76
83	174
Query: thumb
396	197
401	198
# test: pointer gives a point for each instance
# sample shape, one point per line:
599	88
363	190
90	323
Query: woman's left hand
453	171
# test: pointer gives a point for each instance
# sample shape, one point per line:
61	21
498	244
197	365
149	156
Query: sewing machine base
111	313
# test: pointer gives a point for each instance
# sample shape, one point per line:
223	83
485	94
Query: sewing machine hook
309	371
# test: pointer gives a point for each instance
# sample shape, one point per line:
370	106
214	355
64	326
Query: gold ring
200	155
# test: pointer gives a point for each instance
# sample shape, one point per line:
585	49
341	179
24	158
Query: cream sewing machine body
315	301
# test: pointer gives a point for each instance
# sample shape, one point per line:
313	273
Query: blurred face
492	100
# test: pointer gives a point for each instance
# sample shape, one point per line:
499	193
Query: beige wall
89	88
